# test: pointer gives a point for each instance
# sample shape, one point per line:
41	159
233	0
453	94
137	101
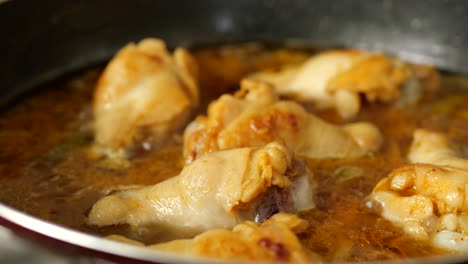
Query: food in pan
143	94
255	116
218	190
336	79
429	198
247	151
273	240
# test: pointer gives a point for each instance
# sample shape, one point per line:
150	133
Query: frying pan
45	39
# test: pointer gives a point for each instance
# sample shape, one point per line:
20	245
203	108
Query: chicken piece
255	116
434	148
143	94
335	79
274	240
428	200
216	191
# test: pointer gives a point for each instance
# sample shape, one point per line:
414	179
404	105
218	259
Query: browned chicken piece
274	240
336	79
218	190
143	94
255	116
428	199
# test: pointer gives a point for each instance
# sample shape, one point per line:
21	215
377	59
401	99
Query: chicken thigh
255	116
217	190
274	240
335	79
428	199
143	94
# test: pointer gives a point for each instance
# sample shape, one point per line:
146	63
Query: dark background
41	40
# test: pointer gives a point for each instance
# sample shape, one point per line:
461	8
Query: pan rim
97	244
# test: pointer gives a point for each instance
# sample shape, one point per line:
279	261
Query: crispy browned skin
255	116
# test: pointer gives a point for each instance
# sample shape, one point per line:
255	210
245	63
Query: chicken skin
255	116
429	198
273	240
143	94
336	79
435	148
217	190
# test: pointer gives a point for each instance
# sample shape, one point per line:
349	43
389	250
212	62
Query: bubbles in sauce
45	170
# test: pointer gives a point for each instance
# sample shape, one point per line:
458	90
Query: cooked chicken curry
248	151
